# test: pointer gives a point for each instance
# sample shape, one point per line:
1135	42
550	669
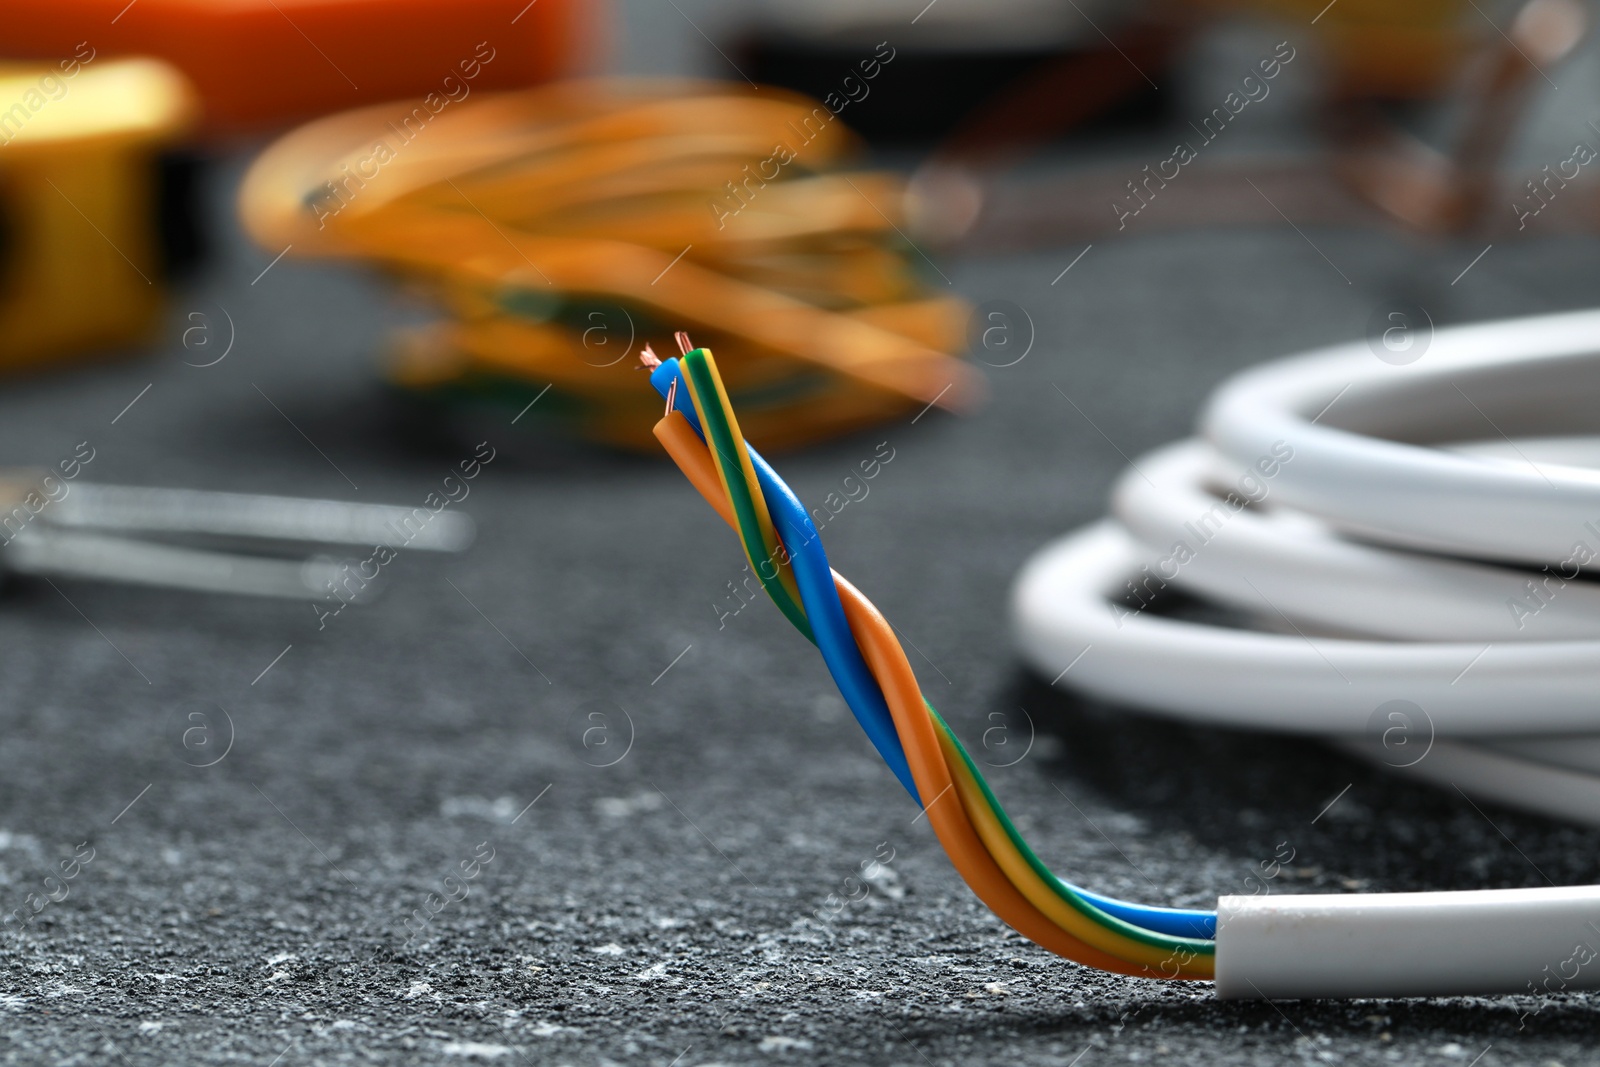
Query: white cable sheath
1288	681
1476	942
1423	538
1490	380
1248	558
1491	772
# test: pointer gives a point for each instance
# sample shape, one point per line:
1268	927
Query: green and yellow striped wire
701	433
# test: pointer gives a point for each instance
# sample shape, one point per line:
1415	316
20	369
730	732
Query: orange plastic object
262	63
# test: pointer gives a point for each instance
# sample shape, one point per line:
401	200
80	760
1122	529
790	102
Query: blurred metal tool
1430	192
1370	174
209	542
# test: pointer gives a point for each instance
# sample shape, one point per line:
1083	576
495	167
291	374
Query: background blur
271	791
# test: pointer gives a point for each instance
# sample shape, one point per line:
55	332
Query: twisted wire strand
700	432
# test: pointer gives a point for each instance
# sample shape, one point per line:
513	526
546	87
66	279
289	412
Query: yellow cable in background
558	228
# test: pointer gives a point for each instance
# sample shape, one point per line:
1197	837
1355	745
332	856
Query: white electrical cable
1491	381
1411	554
1496	772
1476	942
1288	681
1176	505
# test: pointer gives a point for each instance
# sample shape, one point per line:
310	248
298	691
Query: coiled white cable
1410	551
1369	467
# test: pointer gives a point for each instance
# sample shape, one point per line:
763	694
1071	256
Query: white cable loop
1414	551
1175	505
1294	682
1524	377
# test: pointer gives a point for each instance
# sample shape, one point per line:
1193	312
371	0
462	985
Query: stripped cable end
672	397
649	358
685	346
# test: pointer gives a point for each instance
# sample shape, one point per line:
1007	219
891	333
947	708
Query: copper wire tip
672	397
650	360
685	346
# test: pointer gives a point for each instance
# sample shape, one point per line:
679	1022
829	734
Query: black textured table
649	893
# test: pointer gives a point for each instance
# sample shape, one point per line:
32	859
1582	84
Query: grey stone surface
662	909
